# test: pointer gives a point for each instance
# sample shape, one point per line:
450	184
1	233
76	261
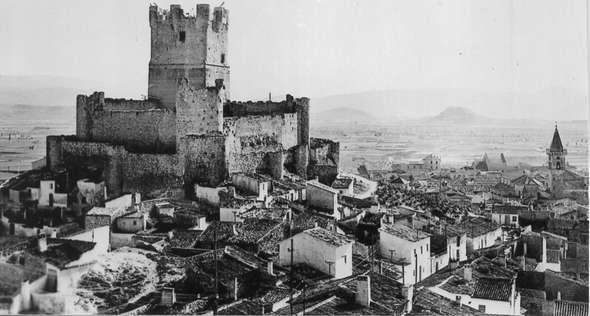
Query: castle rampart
123	171
140	126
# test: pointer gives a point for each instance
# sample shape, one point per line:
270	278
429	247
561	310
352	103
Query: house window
51	186
458	241
421	251
134	223
514	218
182	36
482	308
223	58
344	258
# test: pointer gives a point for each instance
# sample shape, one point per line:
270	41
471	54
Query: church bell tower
556	153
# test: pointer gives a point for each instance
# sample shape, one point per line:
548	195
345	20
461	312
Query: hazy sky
318	48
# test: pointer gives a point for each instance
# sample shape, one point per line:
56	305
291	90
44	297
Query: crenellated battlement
244	108
218	18
187	46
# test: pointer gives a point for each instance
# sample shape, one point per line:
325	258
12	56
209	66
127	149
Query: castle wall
198	111
324	156
203	159
256	143
152	130
253	132
139	125
123	171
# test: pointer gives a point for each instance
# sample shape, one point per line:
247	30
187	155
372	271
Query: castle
188	130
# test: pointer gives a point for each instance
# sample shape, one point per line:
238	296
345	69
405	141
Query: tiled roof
328	236
566	308
134	215
405	232
248	233
493	289
242	307
97	210
354	202
526	180
306	220
457	285
508	209
429	303
476	226
321	186
184	238
61	252
341	183
338	305
384	290
486	268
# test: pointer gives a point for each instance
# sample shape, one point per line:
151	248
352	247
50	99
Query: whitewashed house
322	197
400	241
322	249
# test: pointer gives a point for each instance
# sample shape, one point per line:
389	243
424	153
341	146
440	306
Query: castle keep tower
556	153
185	46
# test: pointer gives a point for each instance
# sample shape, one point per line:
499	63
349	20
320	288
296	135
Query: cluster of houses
258	245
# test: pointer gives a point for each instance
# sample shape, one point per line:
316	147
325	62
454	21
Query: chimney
524	249
559	295
408	294
363	290
42	244
270	267
54	234
467	273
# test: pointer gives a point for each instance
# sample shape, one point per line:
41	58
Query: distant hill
456	114
342	115
50	90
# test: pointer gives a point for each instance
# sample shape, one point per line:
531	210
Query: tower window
182	36
223	58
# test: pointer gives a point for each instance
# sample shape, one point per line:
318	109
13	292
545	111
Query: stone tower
556	153
185	46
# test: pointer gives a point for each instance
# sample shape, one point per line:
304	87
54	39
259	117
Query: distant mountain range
392	105
48	90
342	115
552	103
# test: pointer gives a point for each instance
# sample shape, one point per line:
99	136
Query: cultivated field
457	144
